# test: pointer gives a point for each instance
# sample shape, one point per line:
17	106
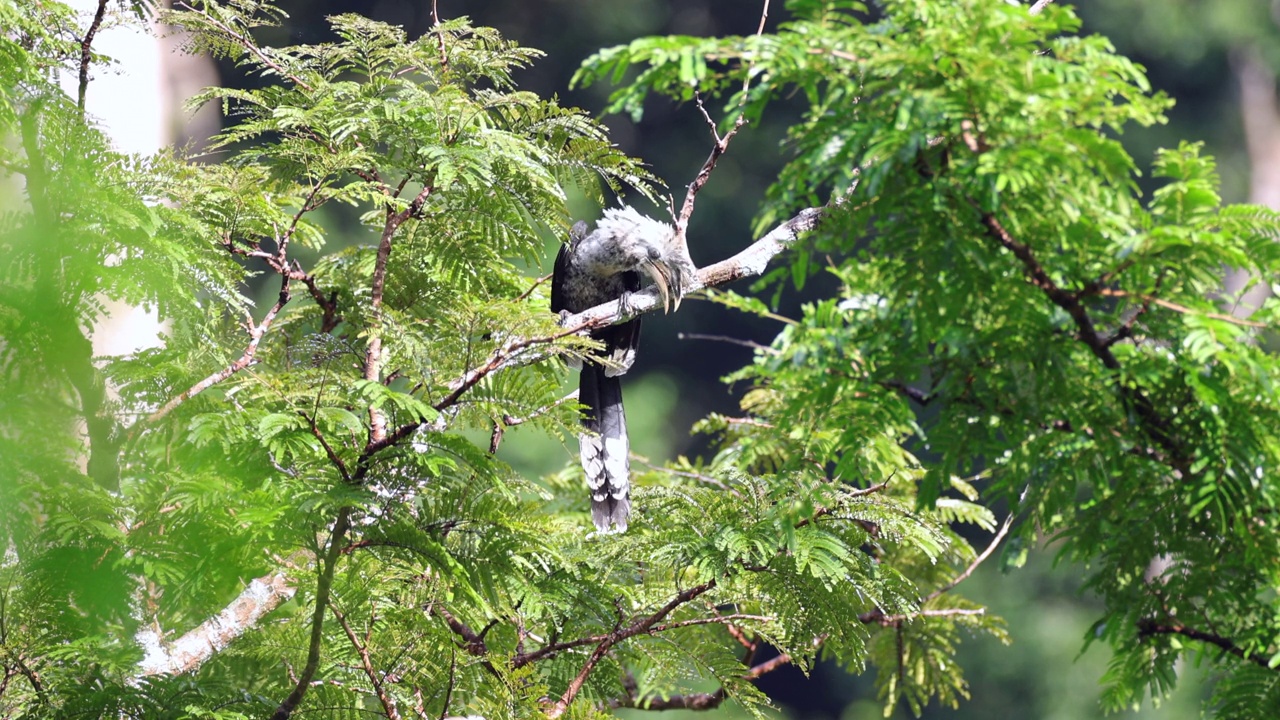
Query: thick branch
188	652
324	584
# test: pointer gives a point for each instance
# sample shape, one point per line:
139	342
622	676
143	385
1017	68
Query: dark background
1044	674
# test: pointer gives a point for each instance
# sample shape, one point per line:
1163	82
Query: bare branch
190	651
86	53
721	144
995	541
731	340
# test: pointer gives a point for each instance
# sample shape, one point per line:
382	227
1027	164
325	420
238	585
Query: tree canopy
296	507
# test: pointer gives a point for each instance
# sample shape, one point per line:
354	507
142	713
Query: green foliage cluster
1011	311
329	435
1009	292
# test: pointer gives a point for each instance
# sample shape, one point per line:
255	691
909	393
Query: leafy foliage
1013	317
1013	300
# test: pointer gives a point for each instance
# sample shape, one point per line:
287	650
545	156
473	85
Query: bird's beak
669	282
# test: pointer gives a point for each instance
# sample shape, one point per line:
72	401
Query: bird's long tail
604	448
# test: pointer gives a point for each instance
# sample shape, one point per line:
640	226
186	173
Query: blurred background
1217	58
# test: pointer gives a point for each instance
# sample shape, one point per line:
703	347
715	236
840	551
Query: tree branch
1183	309
995	541
1155	426
190	651
373	356
86	53
324	584
248	43
1148	627
366	663
256	333
721	143
750	262
638	627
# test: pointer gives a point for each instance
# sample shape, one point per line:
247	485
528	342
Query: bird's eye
654	253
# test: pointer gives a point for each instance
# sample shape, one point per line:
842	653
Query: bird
594	267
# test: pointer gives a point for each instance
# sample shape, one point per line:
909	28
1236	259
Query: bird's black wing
558	274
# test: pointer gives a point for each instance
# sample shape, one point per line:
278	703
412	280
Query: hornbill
595	268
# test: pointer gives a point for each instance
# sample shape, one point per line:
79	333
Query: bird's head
651	246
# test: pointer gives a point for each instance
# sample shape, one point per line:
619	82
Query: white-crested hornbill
596	267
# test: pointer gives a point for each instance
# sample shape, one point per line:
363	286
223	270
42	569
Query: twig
714	482
1148	627
861	492
714	620
249	44
534	286
1181	308
333	456
366	663
731	340
638	627
691	701
86	53
509	421
1004	529
700	701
